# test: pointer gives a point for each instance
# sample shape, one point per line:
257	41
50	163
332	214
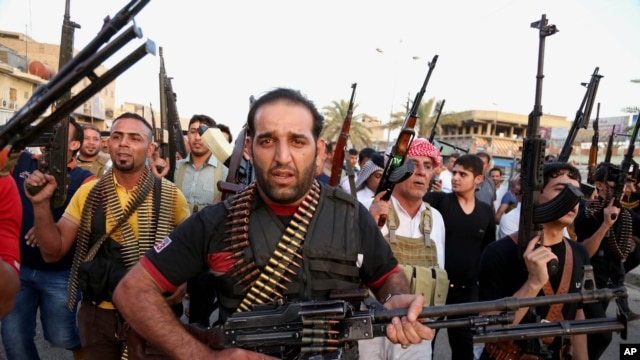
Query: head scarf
422	147
375	163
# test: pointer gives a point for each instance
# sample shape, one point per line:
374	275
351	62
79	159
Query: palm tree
425	117
334	116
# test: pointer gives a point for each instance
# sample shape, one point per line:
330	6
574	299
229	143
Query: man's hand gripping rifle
397	170
320	327
21	129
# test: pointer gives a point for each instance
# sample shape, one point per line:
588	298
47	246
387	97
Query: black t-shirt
466	235
502	273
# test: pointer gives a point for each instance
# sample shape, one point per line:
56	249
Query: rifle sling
555	310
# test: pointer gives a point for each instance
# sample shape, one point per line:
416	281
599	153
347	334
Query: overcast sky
219	53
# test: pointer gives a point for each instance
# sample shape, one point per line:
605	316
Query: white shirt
500	191
410	227
365	196
509	222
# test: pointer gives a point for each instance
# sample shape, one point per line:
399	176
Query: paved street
442	347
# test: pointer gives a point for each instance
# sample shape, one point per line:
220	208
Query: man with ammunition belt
415	231
110	223
285	238
596	228
504	274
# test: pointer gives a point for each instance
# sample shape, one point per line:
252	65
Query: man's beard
289	195
86	153
123	166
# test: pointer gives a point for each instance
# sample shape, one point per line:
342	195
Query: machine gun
432	136
531	178
170	120
317	328
160	137
609	152
396	170
21	130
582	117
338	155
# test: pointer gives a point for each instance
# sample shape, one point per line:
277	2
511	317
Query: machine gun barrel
21	128
339	151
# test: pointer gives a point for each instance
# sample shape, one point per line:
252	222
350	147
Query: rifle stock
339	150
400	149
321	326
22	129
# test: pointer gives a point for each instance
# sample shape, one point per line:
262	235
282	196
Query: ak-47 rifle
55	158
593	151
531	178
339	149
435	123
621	178
21	130
170	120
582	117
319	328
396	170
240	173
160	137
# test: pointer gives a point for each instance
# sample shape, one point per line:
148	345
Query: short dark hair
471	162
289	95
365	153
495	169
130	115
353	151
550	157
91	127
225	129
555	169
78	134
604	171
485	155
203	119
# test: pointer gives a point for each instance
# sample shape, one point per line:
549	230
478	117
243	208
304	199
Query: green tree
334	115
426	118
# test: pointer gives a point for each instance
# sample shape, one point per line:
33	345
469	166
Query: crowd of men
114	264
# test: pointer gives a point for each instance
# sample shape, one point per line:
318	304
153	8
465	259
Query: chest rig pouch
418	259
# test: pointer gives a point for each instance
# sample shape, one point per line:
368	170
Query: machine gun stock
396	170
21	129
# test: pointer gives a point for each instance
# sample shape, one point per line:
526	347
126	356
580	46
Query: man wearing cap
416	234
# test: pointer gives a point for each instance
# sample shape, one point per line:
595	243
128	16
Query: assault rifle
321	327
339	149
160	137
531	178
582	117
435	123
593	151
21	130
170	120
55	158
396	170
240	173
625	166
609	152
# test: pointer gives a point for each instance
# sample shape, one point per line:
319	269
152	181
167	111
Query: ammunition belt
265	285
618	242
